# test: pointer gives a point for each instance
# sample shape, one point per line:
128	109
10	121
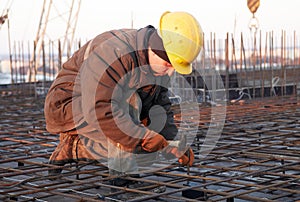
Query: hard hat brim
184	68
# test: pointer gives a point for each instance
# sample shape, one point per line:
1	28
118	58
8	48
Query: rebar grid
256	158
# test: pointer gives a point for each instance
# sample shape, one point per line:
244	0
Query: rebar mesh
257	158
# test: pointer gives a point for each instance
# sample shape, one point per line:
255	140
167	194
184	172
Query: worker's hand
186	159
153	143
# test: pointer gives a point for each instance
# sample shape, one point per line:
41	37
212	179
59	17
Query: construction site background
264	65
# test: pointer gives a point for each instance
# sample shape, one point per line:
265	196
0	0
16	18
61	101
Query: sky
96	16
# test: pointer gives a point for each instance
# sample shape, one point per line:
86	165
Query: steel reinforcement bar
256	157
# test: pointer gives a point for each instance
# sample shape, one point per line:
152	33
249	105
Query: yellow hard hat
182	37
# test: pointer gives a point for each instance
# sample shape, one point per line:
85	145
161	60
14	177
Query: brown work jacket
94	91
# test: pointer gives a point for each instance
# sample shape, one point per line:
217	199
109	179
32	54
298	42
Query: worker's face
159	66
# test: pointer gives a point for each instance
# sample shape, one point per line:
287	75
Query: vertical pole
215	62
34	61
22	70
33	66
210	73
23	62
265	61
241	63
49	69
214	44
29	66
213	69
294	66
234	65
44	66
15	63
59	55
202	70
10	54
69	47
245	63
254	64
285	53
18	59
79	43
53	60
271	62
260	66
298	74
227	67
282	62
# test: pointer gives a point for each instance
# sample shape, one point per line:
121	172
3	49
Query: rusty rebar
256	158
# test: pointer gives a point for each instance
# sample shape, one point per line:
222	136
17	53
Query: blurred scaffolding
230	67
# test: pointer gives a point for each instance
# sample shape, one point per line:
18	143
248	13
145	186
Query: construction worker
110	99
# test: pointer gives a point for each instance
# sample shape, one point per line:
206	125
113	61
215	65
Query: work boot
85	149
69	150
62	153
